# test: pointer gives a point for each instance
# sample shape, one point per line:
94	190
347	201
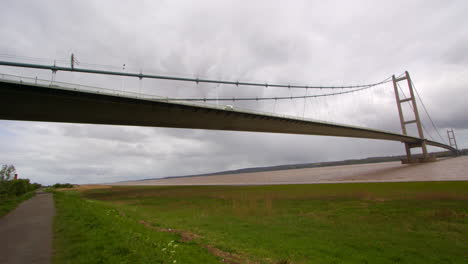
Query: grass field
419	222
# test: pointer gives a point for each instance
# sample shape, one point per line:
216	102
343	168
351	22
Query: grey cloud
304	42
457	121
125	134
457	51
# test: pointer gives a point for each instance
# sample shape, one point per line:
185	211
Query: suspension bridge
33	99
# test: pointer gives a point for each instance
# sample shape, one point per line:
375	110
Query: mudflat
26	233
450	169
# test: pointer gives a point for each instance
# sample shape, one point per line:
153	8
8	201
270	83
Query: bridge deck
35	102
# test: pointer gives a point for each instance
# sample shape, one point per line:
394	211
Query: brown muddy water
451	169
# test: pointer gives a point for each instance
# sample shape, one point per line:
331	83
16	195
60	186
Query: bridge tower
412	100
452	140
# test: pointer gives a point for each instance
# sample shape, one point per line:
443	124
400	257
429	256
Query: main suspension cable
427	113
268	98
412	108
140	75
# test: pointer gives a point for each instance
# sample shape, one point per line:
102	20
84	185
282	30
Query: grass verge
414	222
88	231
7	204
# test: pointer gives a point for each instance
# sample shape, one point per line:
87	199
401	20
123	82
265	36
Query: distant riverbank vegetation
63	185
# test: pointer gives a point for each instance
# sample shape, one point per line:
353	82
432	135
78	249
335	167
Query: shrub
17	187
63	185
35	186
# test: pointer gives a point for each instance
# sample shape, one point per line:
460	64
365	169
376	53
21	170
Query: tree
7	172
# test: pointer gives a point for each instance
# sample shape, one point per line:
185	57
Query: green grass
419	222
7	204
90	232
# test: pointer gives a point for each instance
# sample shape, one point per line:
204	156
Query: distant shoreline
369	160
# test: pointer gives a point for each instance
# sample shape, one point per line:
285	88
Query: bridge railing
77	87
52	84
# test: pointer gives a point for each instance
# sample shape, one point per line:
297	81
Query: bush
63	185
36	186
17	187
11	188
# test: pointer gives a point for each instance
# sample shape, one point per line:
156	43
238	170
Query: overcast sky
298	42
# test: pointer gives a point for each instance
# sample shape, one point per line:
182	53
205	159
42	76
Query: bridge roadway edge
29	102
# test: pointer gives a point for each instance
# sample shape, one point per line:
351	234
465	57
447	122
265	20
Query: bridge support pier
424	157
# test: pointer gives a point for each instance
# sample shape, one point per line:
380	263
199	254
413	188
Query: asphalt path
26	233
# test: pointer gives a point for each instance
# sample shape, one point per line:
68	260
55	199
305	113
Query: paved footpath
26	233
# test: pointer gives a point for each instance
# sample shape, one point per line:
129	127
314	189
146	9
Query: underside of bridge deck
29	102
